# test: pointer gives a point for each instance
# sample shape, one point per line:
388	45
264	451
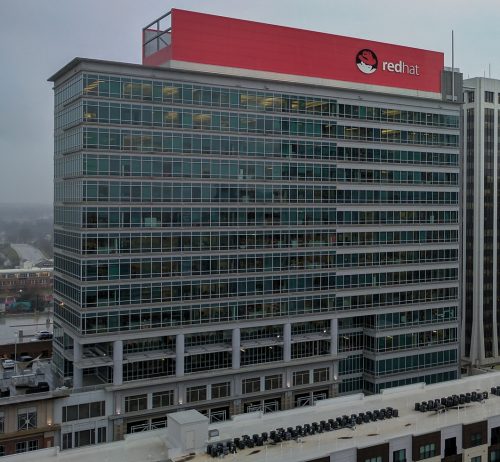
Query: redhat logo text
367	61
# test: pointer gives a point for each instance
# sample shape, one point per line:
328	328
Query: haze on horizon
40	37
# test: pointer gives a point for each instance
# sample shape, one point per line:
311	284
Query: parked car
38	388
8	364
44	335
25	358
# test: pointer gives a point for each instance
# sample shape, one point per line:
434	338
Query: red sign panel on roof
234	43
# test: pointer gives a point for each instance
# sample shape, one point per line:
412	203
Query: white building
467	432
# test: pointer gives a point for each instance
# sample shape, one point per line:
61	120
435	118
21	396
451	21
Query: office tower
255	218
481	243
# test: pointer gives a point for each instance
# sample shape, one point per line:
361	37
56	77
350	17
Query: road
28	323
28	252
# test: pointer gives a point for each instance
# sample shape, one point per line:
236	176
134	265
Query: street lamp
15	352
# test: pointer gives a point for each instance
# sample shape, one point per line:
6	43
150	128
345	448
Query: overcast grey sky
40	36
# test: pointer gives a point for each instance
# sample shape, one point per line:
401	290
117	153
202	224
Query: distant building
26	279
481	336
26	289
255	229
26	422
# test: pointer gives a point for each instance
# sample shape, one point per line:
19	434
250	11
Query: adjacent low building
27	404
468	431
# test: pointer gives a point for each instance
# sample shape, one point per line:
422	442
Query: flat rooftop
154	446
367	434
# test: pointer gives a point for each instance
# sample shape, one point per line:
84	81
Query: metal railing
149	426
156	39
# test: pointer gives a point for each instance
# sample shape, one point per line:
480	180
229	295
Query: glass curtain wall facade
288	242
481	344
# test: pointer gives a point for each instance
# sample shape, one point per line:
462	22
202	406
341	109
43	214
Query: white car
43	335
8	364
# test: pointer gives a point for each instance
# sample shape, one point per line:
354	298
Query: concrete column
118	429
335	385
149	398
77	372
236	385
262	382
49	413
287	342
288	400
236	345
180	394
179	355
334	337
236	407
117	362
335	370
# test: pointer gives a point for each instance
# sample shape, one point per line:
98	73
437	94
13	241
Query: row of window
489	97
410	340
101	112
395	258
249	356
383	367
140	402
352	302
82	438
195	314
307	349
203	95
26	419
234	146
69	90
427	450
159	141
148	344
146	166
148	369
83	411
188	94
148	217
114	191
168	142
254	384
224	337
104	112
273	335
236	169
422	236
187	266
351	385
351	365
165	242
209	361
167	291
371	387
350	341
387	197
148	267
411	318
23	446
